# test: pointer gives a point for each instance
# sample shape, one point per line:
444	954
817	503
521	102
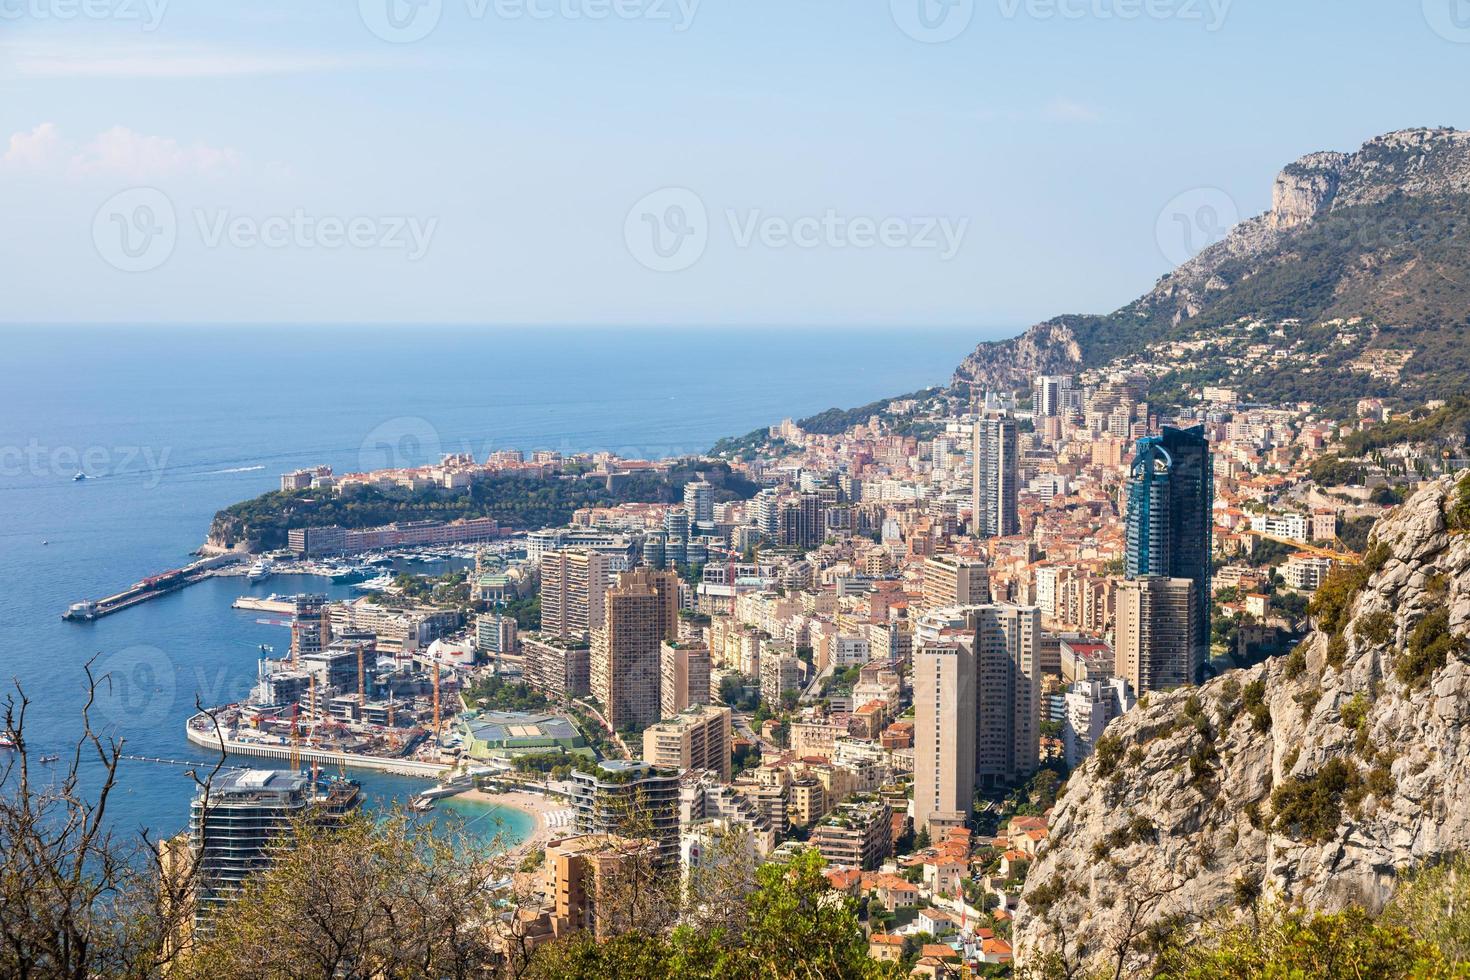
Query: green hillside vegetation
516	502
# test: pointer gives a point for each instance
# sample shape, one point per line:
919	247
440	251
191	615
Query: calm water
172	424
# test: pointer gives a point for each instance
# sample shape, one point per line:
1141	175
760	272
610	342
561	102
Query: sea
171	423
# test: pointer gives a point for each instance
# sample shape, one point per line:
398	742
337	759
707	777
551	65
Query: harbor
148	588
202	732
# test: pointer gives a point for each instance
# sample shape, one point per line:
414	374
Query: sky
977	163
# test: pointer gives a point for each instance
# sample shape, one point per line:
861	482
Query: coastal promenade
198	732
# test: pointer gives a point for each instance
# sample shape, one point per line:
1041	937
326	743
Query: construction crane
1346	557
296	738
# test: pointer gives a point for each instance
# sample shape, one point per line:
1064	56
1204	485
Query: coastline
537	807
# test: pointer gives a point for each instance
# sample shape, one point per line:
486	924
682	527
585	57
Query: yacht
80	476
260	571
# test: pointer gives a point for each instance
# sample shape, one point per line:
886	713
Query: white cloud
1069	111
116	152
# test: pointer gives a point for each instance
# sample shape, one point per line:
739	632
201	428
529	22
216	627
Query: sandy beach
548	815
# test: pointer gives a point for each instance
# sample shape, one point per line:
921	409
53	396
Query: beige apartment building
573	585
1155	642
944	735
953	580
684	676
696	738
639	614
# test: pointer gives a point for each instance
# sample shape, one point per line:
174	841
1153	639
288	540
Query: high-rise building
1156	648
1007	690
629	798
684	670
1048	393
699	501
698	738
559	669
237	828
1171	492
944	735
1090	705
639	614
573	586
995	476
953	580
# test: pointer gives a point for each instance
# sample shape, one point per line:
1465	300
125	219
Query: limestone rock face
1195	796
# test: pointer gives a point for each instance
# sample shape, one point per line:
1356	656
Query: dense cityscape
892	652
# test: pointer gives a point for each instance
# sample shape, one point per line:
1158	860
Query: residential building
696	738
1090	705
995	477
1156	648
954	580
944	735
640	613
684	671
573	586
629	798
558	669
855	834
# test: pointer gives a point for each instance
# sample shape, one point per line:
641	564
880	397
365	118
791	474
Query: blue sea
171	424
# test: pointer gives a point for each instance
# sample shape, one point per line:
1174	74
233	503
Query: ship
6	741
80	476
260	571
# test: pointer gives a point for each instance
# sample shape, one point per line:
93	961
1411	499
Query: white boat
260	571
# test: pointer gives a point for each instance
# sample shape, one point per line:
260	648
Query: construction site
337	698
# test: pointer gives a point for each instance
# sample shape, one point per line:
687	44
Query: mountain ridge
1381	233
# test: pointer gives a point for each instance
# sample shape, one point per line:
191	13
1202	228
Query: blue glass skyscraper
1171	496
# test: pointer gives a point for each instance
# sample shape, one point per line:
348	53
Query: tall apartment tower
639	614
953	580
995	476
1007	690
1048	393
1155	645
684	670
1171	491
573	584
944	735
699	501
236	829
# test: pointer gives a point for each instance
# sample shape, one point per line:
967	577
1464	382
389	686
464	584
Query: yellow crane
1346	557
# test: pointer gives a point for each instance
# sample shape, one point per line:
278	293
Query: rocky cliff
1362	192
1315	777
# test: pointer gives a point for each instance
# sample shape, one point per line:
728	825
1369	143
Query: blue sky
670	161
